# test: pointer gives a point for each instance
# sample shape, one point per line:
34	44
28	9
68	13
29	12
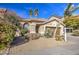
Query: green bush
24	31
72	22
59	38
2	46
7	33
75	33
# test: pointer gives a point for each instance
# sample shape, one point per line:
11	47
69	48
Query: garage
50	31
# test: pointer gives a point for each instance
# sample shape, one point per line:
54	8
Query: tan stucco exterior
32	27
52	22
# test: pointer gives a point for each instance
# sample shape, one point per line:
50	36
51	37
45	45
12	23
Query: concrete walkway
68	48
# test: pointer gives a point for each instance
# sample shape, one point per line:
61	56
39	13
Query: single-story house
41	25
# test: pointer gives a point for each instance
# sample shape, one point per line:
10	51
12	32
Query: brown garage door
51	30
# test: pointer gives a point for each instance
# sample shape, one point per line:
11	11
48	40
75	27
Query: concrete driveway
69	48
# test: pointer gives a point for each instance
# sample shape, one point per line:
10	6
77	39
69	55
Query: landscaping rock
32	36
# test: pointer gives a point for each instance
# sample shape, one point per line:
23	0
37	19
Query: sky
45	9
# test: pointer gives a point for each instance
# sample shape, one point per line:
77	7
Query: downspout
65	35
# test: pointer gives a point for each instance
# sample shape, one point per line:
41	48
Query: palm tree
30	12
67	10
70	10
36	12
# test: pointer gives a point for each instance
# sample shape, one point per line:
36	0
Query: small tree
72	22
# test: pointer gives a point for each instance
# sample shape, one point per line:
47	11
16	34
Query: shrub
75	33
59	38
2	46
32	36
7	33
72	22
24	31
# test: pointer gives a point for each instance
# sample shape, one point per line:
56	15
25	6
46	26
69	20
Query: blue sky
45	9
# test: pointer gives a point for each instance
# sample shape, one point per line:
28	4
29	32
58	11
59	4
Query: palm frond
76	8
67	11
69	6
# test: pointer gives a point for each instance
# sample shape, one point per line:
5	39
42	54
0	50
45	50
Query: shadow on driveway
19	40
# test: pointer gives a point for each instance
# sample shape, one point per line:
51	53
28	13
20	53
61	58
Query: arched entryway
25	25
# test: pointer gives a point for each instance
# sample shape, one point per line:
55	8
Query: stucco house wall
51	24
41	29
32	27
